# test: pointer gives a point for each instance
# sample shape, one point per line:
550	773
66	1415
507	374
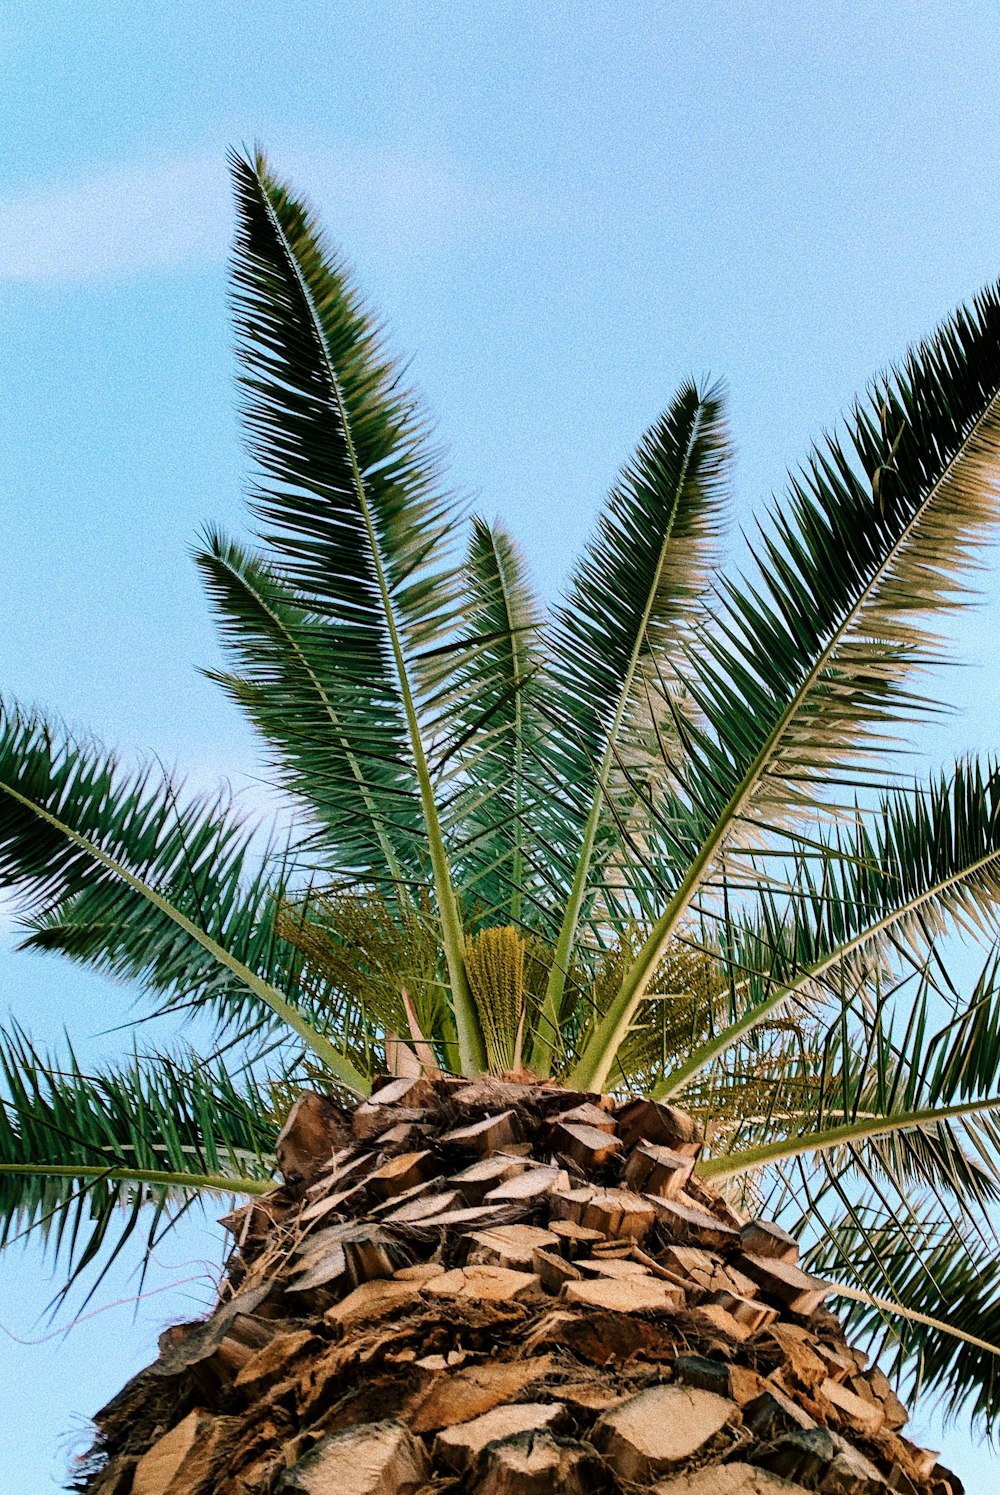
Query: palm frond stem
594	1065
220	1183
732	1164
472	1050
886	1305
338	1065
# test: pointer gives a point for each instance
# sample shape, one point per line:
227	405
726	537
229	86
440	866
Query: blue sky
563	210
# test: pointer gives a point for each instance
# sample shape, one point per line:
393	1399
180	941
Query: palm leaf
341	443
928	1296
891	1091
925	861
289	682
811	660
501	860
75	829
80	1152
347	496
630	603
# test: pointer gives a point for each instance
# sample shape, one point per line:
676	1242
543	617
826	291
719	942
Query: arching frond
630	604
348	497
927	1295
506	874
874	897
153	885
83	1155
325	738
811	661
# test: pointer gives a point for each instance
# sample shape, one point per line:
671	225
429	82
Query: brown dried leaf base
506	1289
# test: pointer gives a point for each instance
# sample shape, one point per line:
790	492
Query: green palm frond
806	665
150	882
83	1155
506	874
630	604
870	898
347	495
926	1293
894	1088
289	681
638	587
894	1202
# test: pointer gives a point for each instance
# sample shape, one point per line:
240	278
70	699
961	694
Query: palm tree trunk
505	1288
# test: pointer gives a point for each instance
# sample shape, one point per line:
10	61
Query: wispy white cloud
116	222
125	220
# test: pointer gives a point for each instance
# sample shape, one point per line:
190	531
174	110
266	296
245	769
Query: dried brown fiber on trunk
504	1289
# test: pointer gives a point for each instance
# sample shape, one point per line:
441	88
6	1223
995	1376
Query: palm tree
658	841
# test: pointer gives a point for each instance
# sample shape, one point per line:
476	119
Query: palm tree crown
653	840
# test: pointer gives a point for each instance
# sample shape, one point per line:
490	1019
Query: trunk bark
503	1288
